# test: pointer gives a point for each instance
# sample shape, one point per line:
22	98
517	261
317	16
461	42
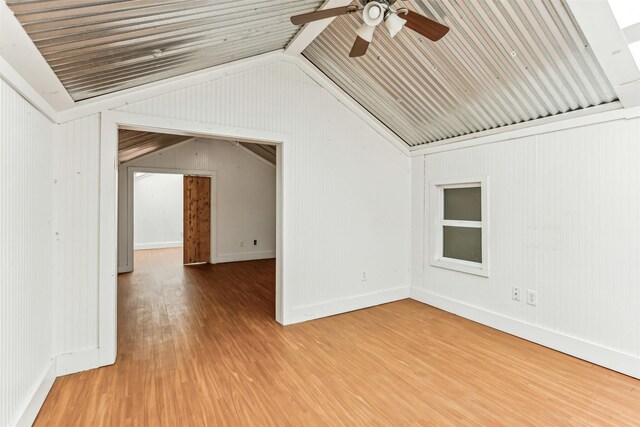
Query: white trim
108	240
632	33
344	305
20	85
589	116
339	94
157	245
18	50
111	122
131	171
140	93
244	256
30	411
609	45
436	222
250	153
77	361
591	352
310	31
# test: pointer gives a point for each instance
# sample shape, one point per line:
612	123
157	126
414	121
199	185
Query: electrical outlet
364	276
515	294
532	297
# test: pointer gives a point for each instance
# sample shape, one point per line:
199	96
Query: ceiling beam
22	55
610	46
632	33
310	31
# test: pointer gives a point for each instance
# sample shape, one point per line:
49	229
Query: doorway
111	122
172	210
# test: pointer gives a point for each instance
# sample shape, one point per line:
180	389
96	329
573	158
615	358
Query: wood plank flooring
198	346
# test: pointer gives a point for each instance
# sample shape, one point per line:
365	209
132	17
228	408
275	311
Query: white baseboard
244	256
78	361
357	302
36	401
594	353
156	245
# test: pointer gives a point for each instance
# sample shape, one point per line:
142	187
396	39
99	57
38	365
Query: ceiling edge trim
345	99
140	93
593	115
20	85
21	53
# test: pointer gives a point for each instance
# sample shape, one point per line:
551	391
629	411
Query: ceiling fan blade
322	14
359	48
427	27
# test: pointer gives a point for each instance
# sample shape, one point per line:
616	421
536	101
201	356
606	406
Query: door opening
197	219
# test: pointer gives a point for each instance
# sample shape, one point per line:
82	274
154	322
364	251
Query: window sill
462	266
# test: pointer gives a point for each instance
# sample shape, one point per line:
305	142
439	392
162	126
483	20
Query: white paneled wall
243	197
26	354
346	197
75	207
564	211
157	210
347	190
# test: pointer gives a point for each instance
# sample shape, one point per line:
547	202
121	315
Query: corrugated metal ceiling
503	62
133	144
99	47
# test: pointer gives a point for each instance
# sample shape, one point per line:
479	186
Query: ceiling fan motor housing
374	12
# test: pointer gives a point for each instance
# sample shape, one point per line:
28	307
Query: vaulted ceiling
503	61
98	47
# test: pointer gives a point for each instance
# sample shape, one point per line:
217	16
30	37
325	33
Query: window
459	226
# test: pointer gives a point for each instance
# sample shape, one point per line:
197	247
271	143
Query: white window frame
438	223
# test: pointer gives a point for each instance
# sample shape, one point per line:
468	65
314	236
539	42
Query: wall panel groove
564	209
25	252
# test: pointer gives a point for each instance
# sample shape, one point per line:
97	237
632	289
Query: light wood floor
199	346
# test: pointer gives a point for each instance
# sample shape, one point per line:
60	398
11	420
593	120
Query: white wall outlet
532	297
515	294
364	276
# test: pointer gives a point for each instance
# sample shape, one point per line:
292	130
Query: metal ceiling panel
133	144
267	152
502	62
99	47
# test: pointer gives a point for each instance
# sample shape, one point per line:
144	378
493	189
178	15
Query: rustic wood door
197	219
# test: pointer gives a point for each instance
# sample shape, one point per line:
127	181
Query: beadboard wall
346	202
27	368
243	198
75	220
563	211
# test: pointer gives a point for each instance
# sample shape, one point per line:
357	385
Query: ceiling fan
374	12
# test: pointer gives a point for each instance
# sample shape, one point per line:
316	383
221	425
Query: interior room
368	212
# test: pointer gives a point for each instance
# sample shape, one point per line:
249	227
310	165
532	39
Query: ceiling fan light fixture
365	32
373	13
394	24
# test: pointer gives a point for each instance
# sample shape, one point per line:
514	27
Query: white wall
563	209
243	197
157	211
346	193
26	355
75	219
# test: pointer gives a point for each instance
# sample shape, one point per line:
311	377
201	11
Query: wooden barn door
197	219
